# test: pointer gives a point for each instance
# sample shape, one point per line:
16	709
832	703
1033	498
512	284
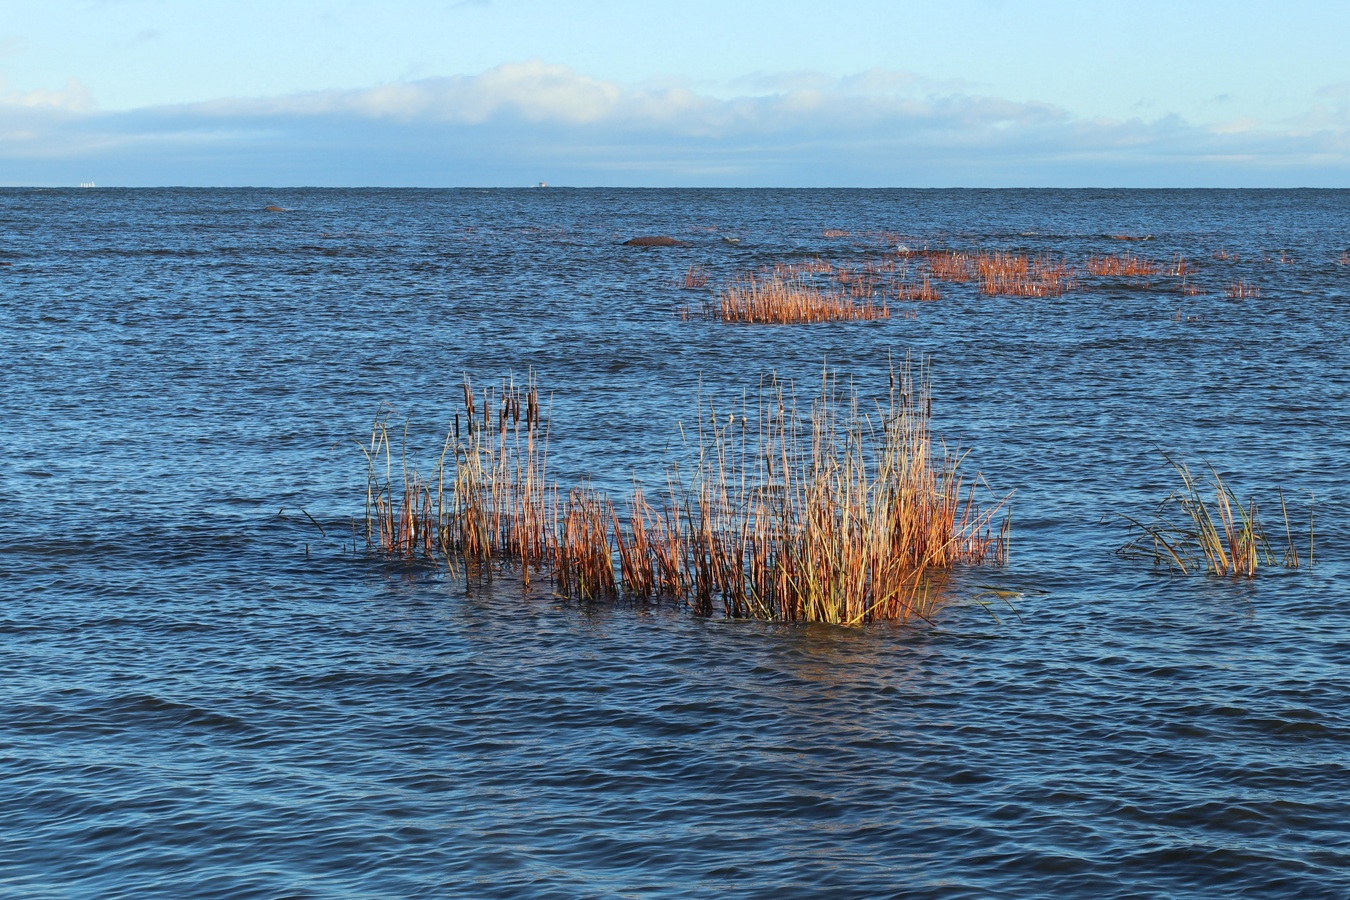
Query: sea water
212	689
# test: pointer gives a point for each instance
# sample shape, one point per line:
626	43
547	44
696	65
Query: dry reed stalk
696	277
947	265
1003	264
880	266
581	558
863	287
836	233
1126	264
1242	290
659	548
1180	268
839	519
778	300
791	270
1344	258
396	515
1015	275
926	290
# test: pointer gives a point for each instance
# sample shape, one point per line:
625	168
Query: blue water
205	695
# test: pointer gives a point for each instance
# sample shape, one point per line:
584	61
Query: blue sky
601	92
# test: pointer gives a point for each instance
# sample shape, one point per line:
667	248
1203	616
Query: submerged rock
274	209
662	240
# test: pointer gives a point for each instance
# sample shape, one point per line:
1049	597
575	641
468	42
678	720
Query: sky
793	93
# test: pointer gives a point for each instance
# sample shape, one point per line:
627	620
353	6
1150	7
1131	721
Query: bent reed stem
1223	536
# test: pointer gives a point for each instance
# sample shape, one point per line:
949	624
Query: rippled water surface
206	695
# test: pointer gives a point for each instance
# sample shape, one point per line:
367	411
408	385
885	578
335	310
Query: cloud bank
523	122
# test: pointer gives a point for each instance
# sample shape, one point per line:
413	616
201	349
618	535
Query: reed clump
813	266
925	290
487	496
1242	290
1190	532
845	514
949	265
1122	265
841	515
694	278
786	300
1017	275
884	266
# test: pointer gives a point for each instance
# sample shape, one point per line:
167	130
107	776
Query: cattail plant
846	513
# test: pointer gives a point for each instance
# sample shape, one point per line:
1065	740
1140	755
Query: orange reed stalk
696	277
1126	265
947	265
1015	275
926	290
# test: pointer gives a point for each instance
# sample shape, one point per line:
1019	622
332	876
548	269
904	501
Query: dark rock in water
663	240
274	209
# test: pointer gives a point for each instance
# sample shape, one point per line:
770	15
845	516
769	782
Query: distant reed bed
793	298
863	283
1125	264
846	511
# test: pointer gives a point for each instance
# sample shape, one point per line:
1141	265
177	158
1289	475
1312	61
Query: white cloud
521	121
531	91
541	93
74	97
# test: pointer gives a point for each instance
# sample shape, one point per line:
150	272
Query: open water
204	695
